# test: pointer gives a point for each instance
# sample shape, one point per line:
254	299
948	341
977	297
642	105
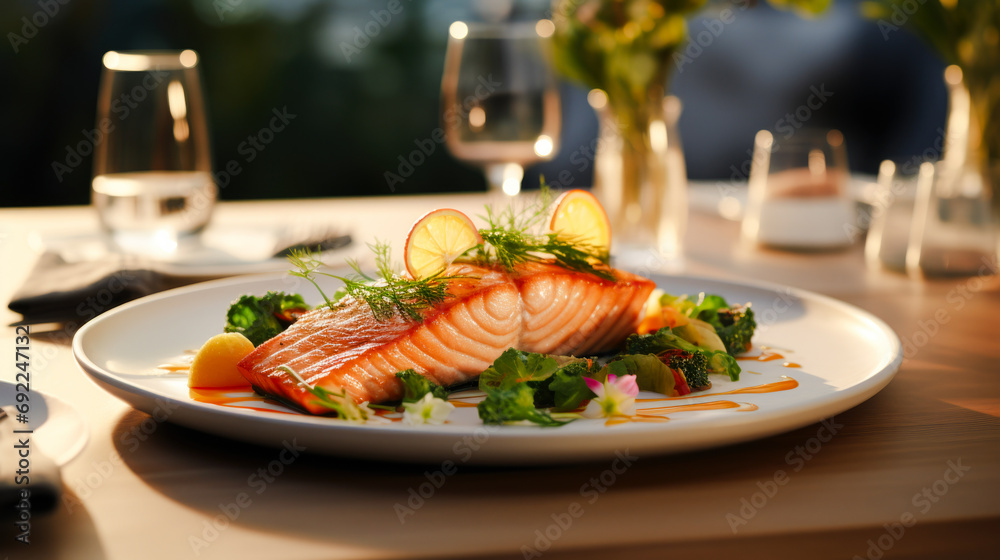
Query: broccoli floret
415	386
513	405
694	367
664	339
262	318
737	329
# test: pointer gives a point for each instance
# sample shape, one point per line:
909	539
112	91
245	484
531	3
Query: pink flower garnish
615	397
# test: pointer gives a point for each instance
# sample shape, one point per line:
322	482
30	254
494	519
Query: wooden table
914	471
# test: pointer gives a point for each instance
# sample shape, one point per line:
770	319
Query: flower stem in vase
646	202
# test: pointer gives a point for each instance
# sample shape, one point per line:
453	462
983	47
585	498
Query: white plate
59	430
846	356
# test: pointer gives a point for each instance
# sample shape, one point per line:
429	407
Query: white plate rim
564	447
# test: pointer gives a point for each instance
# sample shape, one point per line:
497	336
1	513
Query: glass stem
505	178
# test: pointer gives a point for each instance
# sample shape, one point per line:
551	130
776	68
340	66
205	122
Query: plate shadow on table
69	533
361	503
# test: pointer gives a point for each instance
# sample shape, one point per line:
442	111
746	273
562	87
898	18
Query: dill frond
388	294
511	239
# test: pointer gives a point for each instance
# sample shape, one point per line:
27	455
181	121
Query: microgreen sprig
511	240
340	403
388	294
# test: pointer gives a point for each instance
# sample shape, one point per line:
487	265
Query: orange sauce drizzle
792	365
785	384
235	397
658	414
180	363
764	356
385	414
713	405
463	404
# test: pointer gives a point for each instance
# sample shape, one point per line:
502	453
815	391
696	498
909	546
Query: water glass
891	215
798	197
152	170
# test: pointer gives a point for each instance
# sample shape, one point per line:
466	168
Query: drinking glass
797	197
891	216
499	102
152	169
952	233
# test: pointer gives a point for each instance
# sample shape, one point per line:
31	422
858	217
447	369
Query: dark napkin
57	291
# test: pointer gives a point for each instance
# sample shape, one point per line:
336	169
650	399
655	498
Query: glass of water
797	197
152	168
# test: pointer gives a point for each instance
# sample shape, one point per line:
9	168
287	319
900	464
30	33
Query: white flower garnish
428	410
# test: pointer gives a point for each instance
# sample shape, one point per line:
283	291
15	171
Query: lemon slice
580	218
437	239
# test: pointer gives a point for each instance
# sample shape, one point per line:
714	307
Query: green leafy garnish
515	404
387	295
651	374
568	388
665	339
514	367
415	386
736	330
511	240
734	325
263	318
538	380
340	403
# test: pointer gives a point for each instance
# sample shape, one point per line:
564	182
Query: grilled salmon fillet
537	308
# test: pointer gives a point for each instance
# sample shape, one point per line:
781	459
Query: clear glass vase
954	231
639	176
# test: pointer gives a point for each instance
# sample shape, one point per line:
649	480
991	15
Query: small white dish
58	429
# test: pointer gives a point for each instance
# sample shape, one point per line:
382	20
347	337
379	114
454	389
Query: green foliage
512	239
388	294
735	325
515	404
514	367
262	318
958	30
804	8
736	335
549	381
664	339
340	403
626	47
693	366
415	386
651	374
568	388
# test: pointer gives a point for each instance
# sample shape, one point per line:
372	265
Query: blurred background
355	103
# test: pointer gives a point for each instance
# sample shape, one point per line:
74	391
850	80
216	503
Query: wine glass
499	101
152	178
